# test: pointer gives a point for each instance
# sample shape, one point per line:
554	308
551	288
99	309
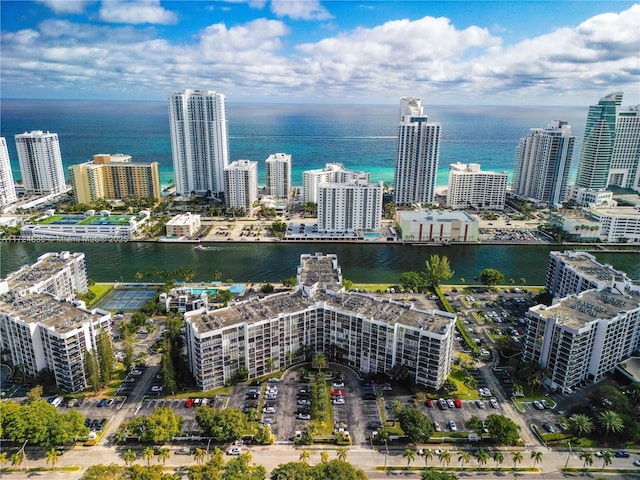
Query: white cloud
300	9
66	6
136	13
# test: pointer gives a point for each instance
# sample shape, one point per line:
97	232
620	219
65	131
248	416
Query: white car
338	384
494	403
304	416
452	426
156	388
269	410
234	451
338	401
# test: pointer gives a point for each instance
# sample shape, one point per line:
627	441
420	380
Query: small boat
199	247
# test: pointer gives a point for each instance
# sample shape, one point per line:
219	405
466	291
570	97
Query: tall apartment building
625	161
469	187
331	173
199	141
350	207
114	177
279	175
40	162
7	187
241	184
42	326
543	163
369	334
598	143
417	155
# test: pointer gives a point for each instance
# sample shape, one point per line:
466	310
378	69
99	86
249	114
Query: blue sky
457	52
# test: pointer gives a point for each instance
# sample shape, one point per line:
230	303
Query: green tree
516	457
587	458
497	457
431	474
304	455
222	425
292	471
127	349
199	455
428	455
580	424
445	457
319	361
52	456
129	457
491	277
464	457
106	356
341	453
167	368
611	422
148	454
410	455
482	456
415	424
290	282
34	394
537	457
92	370
163	455
437	270
503	430
607	458
18	458
161	426
414	281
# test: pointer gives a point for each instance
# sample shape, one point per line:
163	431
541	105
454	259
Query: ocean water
361	137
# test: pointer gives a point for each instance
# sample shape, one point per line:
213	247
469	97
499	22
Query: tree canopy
331	470
161	426
491	277
502	429
415	424
222	425
438	270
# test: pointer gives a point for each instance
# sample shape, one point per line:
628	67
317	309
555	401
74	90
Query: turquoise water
200	291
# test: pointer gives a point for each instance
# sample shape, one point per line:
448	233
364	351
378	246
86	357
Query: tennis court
128	297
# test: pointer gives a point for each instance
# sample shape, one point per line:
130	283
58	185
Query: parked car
189	403
234	451
493	402
450	403
452	426
480	403
548	427
458	403
183	451
622	454
538	405
303	416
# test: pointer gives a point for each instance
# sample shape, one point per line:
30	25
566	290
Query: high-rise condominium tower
279	175
241	184
7	187
543	162
418	154
199	142
40	162
625	161
598	143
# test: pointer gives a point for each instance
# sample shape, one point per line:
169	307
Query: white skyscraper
7	187
625	161
279	175
241	184
199	142
543	163
349	207
471	187
40	162
418	154
331	173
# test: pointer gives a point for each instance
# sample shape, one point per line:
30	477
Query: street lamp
386	452
568	456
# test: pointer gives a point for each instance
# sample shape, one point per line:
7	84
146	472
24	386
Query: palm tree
163	455
304	455
52	456
607	457
148	454
516	456
271	363
482	457
537	457
410	455
445	457
3	457
396	408
588	459
497	457
580	424
319	361
428	455
324	456
16	458
199	455
342	454
464	457
129	457
611	422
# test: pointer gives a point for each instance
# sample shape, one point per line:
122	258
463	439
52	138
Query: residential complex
241	185
279	175
199	141
436	226
543	163
7	188
349	207
185	225
40	162
42	326
625	161
114	177
417	156
602	224
372	335
469	187
331	173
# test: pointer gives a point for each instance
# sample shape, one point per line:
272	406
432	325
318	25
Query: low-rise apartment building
184	225
372	335
436	226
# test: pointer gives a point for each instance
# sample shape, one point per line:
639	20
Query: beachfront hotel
543	163
241	185
350	207
7	187
372	335
40	162
592	325
278	175
470	187
331	173
417	155
114	177
42	326
199	141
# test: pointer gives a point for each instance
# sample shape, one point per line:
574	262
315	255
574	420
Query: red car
428	402
337	392
458	403
189	403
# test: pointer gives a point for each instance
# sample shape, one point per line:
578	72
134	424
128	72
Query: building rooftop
46	310
587	265
46	267
435	216
319	269
576	311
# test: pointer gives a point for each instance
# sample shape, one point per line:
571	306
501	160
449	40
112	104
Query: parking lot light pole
386	452
568	456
